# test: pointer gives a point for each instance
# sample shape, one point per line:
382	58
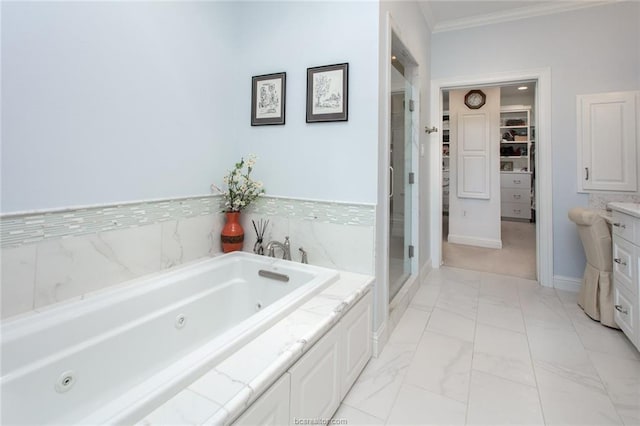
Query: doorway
512	197
542	161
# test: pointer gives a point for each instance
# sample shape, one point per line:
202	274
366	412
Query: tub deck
223	393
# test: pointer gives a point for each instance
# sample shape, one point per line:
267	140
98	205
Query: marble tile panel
442	365
188	239
276	230
503	353
503	315
621	378
410	327
186	408
415	406
496	401
71	267
570	400
452	324
375	390
18	272
344	247
355	417
217	386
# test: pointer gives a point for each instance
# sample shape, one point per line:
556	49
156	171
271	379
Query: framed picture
506	166
328	93
268	99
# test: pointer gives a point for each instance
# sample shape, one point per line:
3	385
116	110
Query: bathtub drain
65	381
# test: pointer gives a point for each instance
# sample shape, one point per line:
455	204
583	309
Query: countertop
632	209
219	396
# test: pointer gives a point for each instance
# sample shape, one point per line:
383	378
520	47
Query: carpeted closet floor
516	258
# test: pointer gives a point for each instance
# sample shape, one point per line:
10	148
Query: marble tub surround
222	394
57	255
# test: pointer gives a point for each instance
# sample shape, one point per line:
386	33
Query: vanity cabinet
315	385
626	282
515	195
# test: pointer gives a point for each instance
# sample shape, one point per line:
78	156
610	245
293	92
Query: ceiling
448	15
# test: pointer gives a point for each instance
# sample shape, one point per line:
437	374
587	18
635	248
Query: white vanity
626	260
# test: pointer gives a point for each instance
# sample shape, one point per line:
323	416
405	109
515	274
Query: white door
474	178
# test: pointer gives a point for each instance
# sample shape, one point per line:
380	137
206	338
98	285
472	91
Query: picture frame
268	99
506	166
328	93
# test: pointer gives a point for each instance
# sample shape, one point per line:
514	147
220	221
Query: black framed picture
328	93
268	95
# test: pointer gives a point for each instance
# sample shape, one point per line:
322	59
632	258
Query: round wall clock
475	99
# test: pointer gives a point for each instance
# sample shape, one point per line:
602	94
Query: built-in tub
119	353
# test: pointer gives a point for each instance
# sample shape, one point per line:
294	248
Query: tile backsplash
53	256
600	201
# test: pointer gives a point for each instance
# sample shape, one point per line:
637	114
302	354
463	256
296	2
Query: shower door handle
391	181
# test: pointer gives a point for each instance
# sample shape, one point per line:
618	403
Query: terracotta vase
232	234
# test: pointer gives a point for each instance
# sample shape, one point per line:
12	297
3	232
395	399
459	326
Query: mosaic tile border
27	228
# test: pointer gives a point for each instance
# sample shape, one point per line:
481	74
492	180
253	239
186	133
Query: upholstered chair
596	293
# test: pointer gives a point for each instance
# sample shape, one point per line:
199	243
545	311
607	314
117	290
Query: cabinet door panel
315	380
607	141
356	341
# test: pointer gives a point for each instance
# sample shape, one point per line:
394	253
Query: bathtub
119	353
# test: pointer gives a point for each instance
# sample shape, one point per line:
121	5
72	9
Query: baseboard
425	270
473	241
380	338
567	283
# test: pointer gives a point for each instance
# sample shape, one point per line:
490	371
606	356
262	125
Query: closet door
607	147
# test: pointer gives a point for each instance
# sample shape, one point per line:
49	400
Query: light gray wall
326	161
107	102
589	51
114	101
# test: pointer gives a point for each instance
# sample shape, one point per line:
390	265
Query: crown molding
516	14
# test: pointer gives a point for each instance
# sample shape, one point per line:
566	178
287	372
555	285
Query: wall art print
328	93
268	95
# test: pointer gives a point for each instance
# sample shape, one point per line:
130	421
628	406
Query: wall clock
475	99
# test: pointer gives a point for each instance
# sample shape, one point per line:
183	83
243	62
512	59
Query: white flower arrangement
241	189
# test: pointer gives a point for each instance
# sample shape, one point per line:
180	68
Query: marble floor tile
355	417
503	353
500	315
621	378
533	358
452	324
375	390
496	401
426	296
568	400
561	351
415	406
599	338
410	327
442	365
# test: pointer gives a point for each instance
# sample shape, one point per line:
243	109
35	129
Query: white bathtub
118	354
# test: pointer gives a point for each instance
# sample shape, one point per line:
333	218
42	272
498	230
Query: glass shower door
400	154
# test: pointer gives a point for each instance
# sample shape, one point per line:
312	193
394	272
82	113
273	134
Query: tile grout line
533	365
